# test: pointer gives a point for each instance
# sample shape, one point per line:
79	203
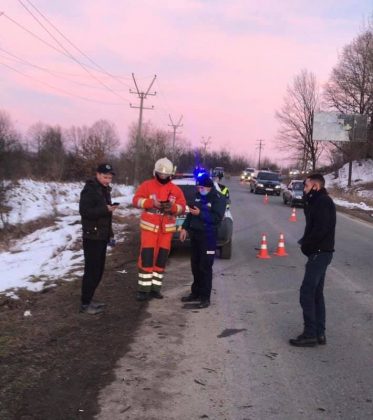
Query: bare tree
11	149
296	118
91	146
48	144
350	87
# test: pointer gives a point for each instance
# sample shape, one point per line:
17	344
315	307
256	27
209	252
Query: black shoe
190	298
97	305
321	339
141	296
303	341
204	304
155	294
90	310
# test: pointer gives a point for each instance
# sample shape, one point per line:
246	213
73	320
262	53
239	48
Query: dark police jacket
320	215
212	208
96	218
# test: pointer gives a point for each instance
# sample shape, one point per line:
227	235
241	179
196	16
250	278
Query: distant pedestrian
317	244
96	209
201	224
161	201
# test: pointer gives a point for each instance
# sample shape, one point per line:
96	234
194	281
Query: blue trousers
312	293
203	248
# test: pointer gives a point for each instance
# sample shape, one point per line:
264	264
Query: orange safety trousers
155	247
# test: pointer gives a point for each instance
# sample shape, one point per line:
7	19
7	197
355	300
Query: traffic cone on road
293	217
281	251
263	252
265	199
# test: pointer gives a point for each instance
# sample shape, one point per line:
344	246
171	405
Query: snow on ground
362	173
349	205
50	253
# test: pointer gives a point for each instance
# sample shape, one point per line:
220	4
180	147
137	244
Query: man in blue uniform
201	223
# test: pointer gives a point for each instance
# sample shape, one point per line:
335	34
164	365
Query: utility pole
142	95
174	127
260	147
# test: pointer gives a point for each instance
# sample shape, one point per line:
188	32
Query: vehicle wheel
278	194
226	251
284	200
251	190
255	191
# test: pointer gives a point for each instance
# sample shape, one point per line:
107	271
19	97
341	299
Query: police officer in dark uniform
201	223
223	189
96	209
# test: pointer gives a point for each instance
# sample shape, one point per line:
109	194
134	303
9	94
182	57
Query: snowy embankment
53	252
361	184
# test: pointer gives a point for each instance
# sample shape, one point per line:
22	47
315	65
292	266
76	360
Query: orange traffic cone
263	252
281	251
265	199
293	217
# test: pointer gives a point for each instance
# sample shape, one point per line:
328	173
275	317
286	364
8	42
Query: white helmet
164	166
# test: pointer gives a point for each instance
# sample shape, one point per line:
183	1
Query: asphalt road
233	360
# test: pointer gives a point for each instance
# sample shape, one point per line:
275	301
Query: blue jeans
312	294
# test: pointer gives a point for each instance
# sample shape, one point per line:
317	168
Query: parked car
247	174
266	182
225	231
293	194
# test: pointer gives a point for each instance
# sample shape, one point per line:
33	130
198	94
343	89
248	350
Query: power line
21	60
67	54
142	95
58	89
98	66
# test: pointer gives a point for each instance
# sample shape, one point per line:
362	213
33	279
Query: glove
166	206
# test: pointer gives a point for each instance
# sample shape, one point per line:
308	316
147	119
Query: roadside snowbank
51	253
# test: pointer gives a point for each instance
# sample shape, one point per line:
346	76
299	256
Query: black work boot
156	294
97	305
321	339
190	298
204	303
141	296
303	341
90	309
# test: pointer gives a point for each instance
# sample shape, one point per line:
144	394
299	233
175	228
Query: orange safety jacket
152	219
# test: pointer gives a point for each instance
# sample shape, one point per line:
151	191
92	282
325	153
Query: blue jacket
212	208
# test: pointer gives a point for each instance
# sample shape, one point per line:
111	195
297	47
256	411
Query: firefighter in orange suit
162	201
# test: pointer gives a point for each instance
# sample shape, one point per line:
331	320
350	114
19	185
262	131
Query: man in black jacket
202	222
96	210
317	244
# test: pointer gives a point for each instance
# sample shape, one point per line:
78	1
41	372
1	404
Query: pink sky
223	65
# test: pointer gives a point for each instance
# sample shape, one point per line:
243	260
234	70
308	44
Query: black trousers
203	248
94	264
312	293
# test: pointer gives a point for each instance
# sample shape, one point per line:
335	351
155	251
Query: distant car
293	194
294	172
265	182
225	230
246	174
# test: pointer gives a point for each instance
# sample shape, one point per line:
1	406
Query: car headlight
260	185
277	186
